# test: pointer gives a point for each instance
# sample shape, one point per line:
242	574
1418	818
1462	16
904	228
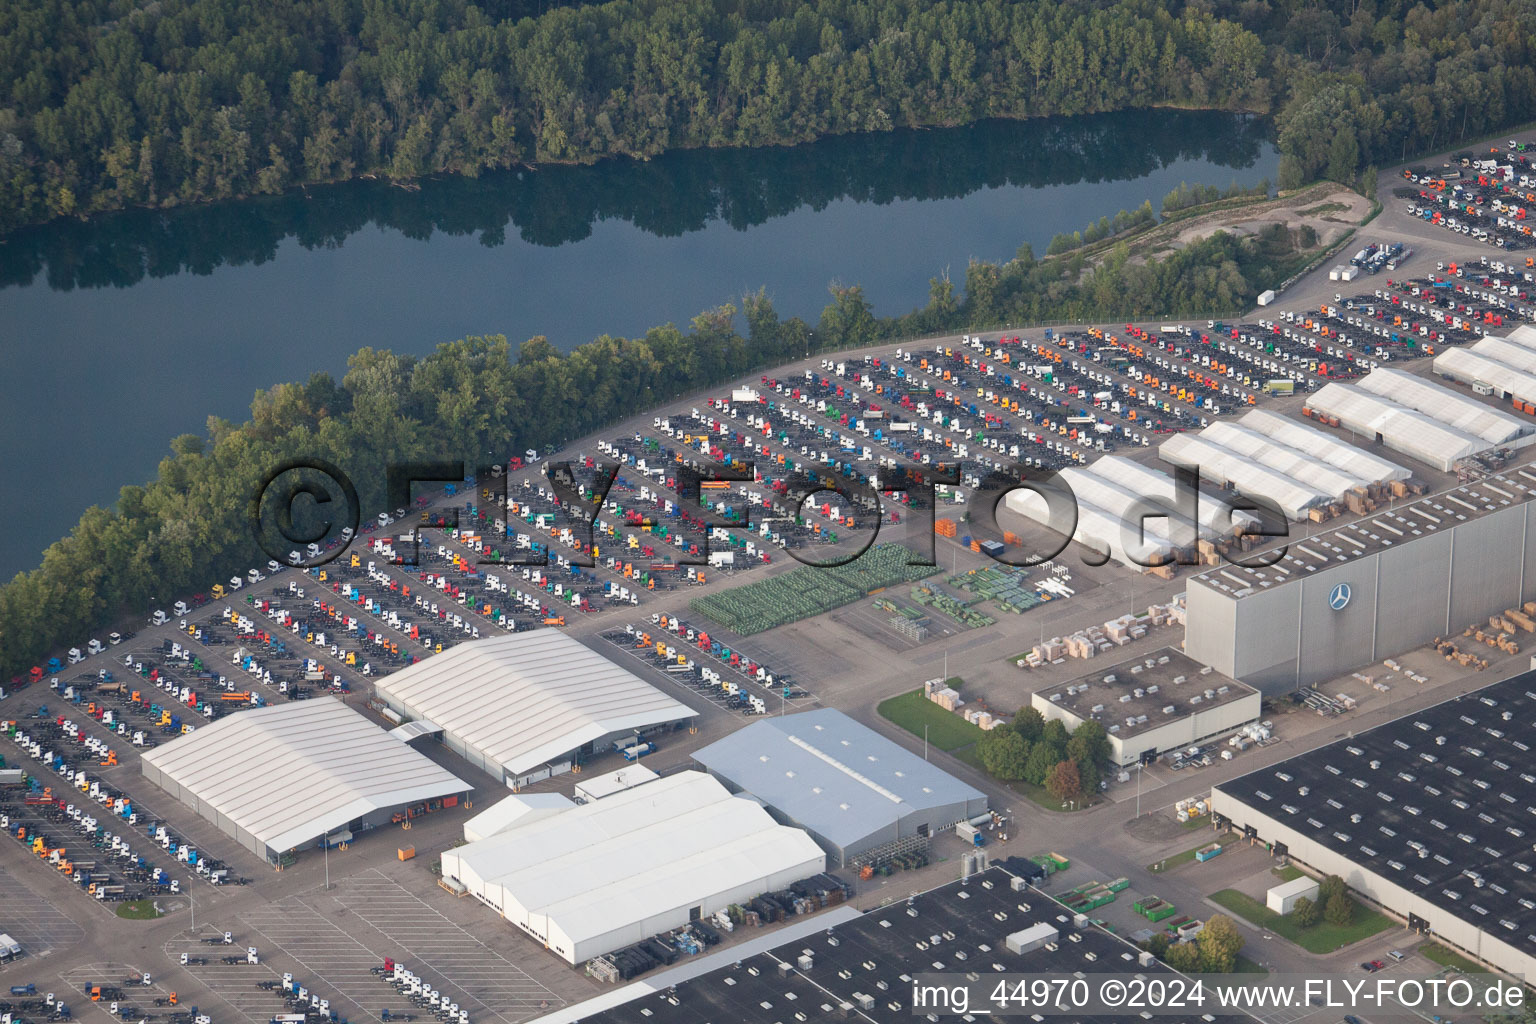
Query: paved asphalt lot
327	920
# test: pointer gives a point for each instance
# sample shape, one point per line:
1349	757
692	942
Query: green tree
1339	910
1089	743
1089	774
1329	887
1183	956
1029	723
1304	913
1220	943
1042	758
1004	754
1063	781
1158	944
1055	733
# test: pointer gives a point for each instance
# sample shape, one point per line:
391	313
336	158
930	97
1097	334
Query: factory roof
292	773
872	957
831	774
1439	802
530	698
1405	521
635	854
1146	687
1525	335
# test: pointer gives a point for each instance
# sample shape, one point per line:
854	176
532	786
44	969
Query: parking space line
33	922
481	975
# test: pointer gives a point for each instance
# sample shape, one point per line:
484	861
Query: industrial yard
477	789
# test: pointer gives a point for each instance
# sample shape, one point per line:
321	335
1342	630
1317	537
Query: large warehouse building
854	790
531	705
283	777
1430	816
1161	702
1370	589
591	878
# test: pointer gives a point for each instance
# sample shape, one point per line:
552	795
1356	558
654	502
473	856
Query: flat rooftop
832	774
878	953
1446	800
1406	521
1165	678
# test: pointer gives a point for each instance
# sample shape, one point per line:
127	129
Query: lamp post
325	847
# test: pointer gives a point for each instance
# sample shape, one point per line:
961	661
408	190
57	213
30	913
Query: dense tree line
107	103
1187	195
1104	227
188	527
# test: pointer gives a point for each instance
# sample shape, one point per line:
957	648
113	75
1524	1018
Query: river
126	330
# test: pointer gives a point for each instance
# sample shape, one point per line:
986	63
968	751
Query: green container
1162	913
1119	885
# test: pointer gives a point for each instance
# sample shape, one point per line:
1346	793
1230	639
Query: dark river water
119	333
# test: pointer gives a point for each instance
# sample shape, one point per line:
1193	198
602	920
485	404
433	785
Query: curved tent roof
1230	467
1512	353
1463	412
1525	335
292	773
530	697
1467	366
1424	437
1099	529
1356	462
1217	518
1127	506
1266	451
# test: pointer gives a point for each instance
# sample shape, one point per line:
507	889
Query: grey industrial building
1430	816
852	789
1159	702
279	778
841	964
1371	589
528	706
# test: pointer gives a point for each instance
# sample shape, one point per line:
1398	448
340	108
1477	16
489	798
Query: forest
173	536
117	103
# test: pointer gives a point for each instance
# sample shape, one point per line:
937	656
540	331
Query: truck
1266	297
10	949
971	834
638	750
1280	387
